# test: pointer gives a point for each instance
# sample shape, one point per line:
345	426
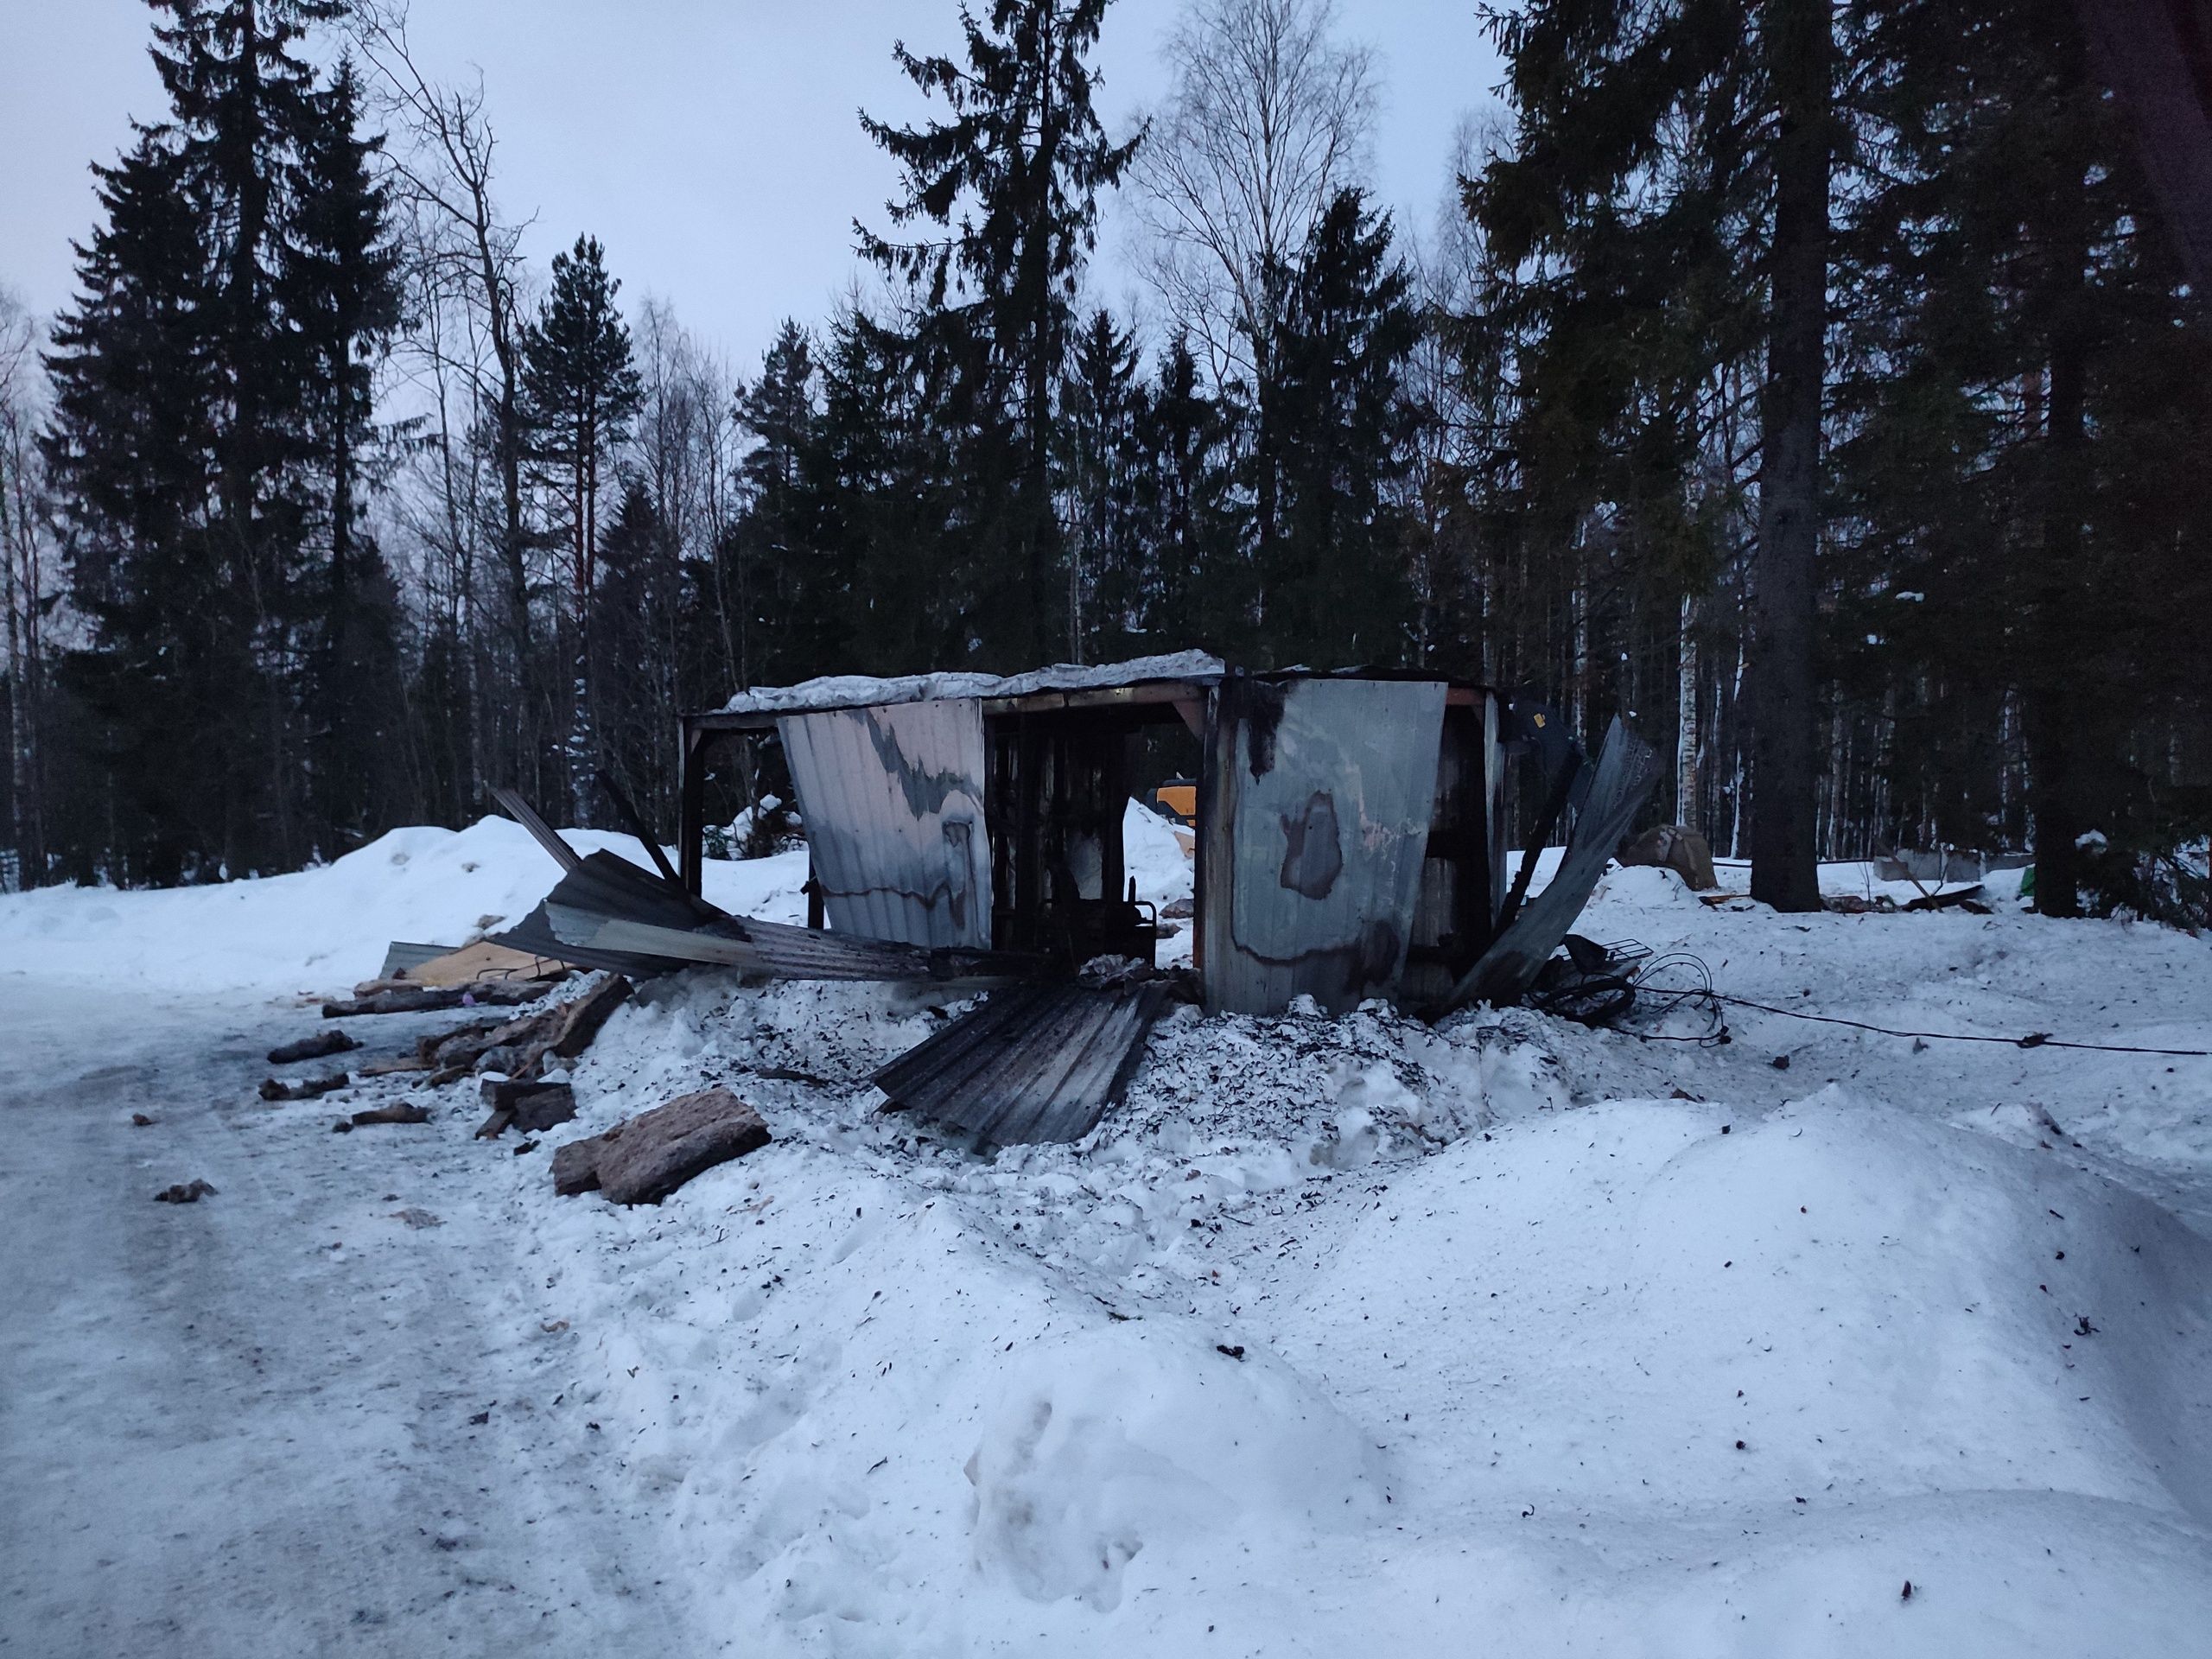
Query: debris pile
495	993
438	967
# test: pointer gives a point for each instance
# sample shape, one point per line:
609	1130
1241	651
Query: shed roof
865	691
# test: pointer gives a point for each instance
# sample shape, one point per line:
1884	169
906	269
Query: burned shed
1351	840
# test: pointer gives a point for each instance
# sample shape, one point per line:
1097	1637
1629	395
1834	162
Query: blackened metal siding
1317	799
1627	769
891	798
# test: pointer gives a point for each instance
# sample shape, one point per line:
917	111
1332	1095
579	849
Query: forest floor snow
1498	1336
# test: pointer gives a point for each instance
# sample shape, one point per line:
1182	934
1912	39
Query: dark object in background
1593	983
184	1193
533	1107
2157	54
400	1112
1671	847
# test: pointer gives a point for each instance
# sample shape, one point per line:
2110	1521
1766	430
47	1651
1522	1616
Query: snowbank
324	929
1339	1333
1347	1331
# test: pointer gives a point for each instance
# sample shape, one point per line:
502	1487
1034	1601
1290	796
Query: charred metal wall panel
1459	894
893	802
1627	769
1316	803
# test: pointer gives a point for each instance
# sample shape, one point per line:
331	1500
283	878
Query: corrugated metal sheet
1032	1064
609	913
1316	803
892	798
784	951
604	885
1627	769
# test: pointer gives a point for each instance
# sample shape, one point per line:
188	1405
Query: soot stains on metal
1313	854
1261	707
927	791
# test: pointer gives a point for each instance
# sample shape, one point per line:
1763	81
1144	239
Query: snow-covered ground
1340	1334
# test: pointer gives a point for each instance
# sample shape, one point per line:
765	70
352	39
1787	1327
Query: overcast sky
711	144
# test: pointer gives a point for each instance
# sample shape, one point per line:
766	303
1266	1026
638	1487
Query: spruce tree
897	529
1661	222
180	438
1200	586
790	593
131	447
1334	430
1014	178
341	294
1101	466
2020	453
582	392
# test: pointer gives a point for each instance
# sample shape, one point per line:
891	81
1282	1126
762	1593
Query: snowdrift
325	930
1340	1333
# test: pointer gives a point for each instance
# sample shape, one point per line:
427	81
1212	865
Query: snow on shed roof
862	691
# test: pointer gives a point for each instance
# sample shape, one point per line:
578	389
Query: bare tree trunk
23	592
1784	717
447	174
2054	794
1687	748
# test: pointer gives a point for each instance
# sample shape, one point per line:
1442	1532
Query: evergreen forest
1814	382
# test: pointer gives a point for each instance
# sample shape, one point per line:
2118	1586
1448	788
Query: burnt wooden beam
691	809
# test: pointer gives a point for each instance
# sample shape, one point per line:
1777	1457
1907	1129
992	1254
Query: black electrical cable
2033	1039
1704	992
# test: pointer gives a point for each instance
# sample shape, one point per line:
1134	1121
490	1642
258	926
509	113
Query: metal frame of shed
1056	769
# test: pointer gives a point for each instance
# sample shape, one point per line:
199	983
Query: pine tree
582	393
1021	162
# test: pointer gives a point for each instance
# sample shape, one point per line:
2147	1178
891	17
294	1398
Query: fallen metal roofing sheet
606	884
1321	795
609	913
892	799
1032	1063
777	948
1627	769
